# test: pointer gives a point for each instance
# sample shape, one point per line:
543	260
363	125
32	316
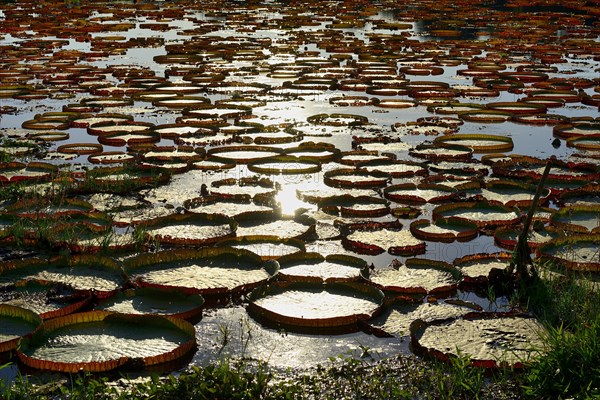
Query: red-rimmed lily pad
508	236
33	171
417	276
353	178
348	206
266	247
301	227
577	252
155	301
194	229
444	230
16	323
313	267
285	165
83	273
409	193
442	153
324	308
490	340
98	341
377	241
48	300
578	218
209	271
242	154
396	319
512	193
477	268
480	143
483	214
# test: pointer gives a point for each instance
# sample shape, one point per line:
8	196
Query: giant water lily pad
15	323
313	267
483	214
420	276
283	228
488	341
154	301
334	307
348	206
512	193
233	208
396	319
102	341
266	247
82	273
47	300
189	229
420	194
398	242
508	236
444	230
578	218
480	143
577	252
477	268
207	271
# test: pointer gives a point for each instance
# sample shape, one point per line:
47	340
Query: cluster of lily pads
160	158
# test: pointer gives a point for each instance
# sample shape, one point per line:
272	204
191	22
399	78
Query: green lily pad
334	307
16	323
488	340
209	271
98	341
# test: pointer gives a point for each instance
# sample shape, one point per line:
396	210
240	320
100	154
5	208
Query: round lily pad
98	341
444	230
194	229
209	271
483	214
322	308
417	276
409	193
313	267
154	301
578	218
16	323
397	242
266	247
48	300
477	268
576	252
396	319
490	340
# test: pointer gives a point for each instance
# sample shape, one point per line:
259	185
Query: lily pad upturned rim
195	301
470	232
573	227
299	258
73	261
409	198
189	218
262	166
504	143
332	325
418	326
502	256
439	210
223	252
543	252
24	314
104	366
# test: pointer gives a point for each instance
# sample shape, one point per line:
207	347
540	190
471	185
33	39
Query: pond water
293	64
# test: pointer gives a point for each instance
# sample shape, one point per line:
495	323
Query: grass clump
569	307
